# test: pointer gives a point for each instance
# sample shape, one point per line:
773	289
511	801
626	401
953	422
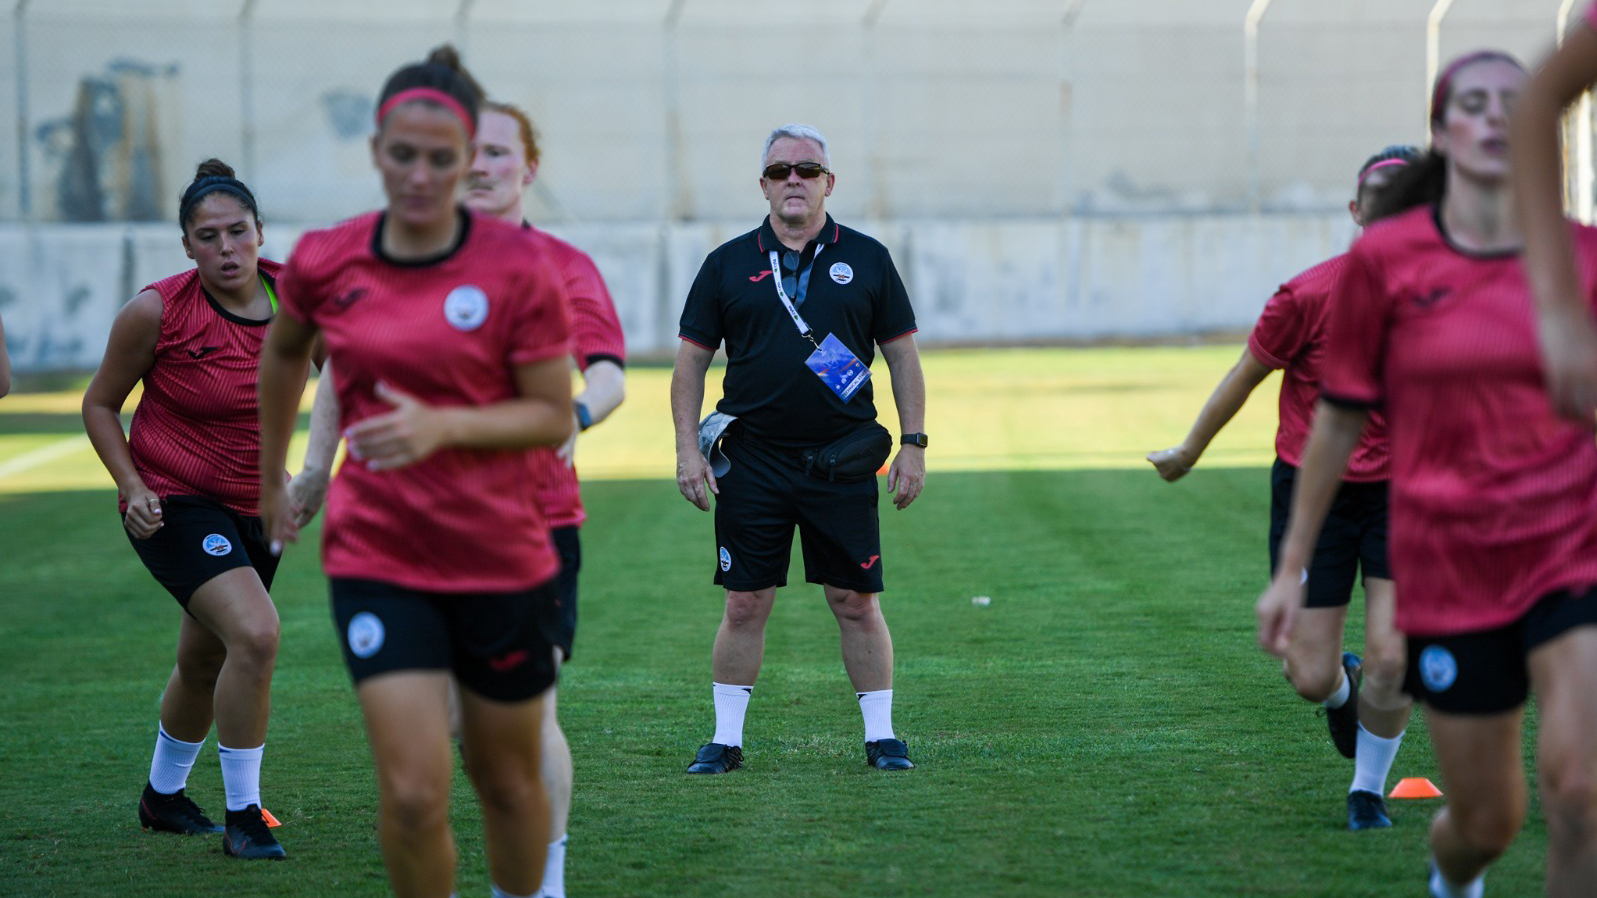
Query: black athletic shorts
764	495
494	643
1488	671
561	625
199	539
1353	537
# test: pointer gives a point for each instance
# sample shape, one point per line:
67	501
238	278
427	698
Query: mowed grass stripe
1105	727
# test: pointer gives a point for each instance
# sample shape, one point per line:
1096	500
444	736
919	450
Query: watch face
914	439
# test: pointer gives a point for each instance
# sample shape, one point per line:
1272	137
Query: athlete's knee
747	609
1487	828
255	642
507	788
199	668
1312	677
1568	789
415	802
853	607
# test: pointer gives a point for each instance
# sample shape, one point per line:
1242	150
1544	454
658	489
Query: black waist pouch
857	456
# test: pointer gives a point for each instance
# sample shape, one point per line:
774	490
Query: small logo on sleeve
365	634
466	308
726	560
216	544
1438	668
842	273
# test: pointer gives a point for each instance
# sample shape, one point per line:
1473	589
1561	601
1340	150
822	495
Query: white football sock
554	870
1373	761
501	893
173	759
877	709
1344	689
1441	888
731	704
241	775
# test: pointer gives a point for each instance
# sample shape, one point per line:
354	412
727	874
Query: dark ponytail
441	80
213	176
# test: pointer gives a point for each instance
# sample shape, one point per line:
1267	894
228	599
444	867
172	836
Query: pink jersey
1494	498
1290	335
595	336
197	429
448	332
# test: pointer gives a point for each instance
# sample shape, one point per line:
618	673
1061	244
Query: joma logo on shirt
756	278
202	352
1432	297
348	297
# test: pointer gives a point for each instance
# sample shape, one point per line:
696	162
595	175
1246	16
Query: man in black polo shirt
801	303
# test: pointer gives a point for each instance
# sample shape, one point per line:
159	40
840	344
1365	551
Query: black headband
212	184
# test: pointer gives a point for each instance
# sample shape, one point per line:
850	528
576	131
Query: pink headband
1385	163
431	95
1444	83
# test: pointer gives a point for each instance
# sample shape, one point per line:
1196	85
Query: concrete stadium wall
1010	282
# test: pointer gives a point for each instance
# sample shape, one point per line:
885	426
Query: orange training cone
270	820
1415	787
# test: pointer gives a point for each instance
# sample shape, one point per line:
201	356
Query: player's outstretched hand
1172	464
695	479
307	492
1569	354
1276	609
278	518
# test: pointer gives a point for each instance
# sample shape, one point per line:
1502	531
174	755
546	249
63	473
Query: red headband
431	95
1384	163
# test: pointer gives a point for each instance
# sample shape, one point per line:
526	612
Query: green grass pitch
1105	727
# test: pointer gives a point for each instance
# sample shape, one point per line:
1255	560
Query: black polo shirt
854	293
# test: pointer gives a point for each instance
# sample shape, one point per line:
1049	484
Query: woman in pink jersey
190	492
450	348
1290	336
1568	333
504	164
1494	497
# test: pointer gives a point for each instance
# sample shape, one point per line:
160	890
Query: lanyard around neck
804	329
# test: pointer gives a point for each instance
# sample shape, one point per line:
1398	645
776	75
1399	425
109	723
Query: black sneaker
888	754
1344	721
1366	810
713	757
249	837
173	813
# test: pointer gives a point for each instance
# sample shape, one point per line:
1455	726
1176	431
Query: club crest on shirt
365	634
466	308
842	273
1438	668
216	544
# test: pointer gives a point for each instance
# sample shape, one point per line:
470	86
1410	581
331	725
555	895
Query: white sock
1441	888
731	704
501	893
554	870
877	709
1344	688
173	759
1373	761
241	775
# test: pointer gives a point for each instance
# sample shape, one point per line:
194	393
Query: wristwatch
913	439
584	417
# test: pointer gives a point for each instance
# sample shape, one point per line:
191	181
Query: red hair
529	134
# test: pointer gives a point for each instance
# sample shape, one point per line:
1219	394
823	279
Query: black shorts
199	539
1353	537
561	624
1488	671
493	643
764	495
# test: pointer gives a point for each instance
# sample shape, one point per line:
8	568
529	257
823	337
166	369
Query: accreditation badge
838	367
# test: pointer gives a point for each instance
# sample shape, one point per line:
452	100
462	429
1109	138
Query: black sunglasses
809	171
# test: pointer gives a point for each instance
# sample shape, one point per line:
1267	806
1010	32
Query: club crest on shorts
1438	668
365	634
726	560
842	273
466	308
216	544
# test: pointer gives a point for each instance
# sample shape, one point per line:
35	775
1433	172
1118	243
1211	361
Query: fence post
1250	96
24	170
